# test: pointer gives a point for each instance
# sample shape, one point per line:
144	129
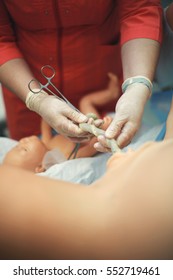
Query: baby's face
27	154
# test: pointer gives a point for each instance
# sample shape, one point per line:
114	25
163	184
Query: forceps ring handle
46	76
35	89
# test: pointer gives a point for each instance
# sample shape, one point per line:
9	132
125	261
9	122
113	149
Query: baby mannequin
31	153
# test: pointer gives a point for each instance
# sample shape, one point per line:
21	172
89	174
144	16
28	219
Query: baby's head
27	154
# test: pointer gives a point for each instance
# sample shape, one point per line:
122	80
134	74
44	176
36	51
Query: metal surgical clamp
49	83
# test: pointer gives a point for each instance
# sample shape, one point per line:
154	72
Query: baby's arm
90	102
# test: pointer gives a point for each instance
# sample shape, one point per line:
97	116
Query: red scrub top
80	39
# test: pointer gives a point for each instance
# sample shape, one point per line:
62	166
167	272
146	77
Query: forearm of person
139	57
15	75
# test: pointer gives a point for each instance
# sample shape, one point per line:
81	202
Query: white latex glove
58	115
128	115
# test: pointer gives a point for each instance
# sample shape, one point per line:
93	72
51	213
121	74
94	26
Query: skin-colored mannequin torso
124	215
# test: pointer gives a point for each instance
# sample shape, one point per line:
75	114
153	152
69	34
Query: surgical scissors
49	83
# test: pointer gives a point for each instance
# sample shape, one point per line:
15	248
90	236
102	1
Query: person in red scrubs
83	41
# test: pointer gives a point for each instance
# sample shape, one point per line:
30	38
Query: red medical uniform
81	39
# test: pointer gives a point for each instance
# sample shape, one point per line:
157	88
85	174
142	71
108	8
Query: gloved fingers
69	129
92	116
126	135
98	146
90	121
93	119
114	129
98	122
101	145
74	115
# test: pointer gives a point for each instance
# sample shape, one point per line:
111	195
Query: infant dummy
37	155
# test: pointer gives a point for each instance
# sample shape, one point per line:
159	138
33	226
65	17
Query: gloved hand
58	115
128	115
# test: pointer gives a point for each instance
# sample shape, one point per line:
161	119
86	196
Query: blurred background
166	2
